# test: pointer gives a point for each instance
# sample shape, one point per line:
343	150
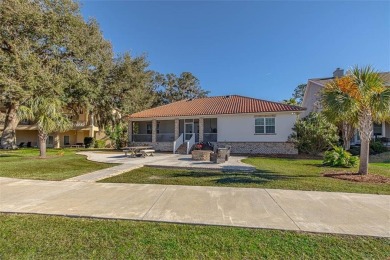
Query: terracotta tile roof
216	106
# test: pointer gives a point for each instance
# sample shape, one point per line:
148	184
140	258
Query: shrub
117	134
89	142
100	143
338	157
314	134
377	147
354	150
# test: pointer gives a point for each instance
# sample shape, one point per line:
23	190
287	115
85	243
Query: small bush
377	147
89	142
339	158
100	143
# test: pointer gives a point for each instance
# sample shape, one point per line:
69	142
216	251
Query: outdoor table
134	150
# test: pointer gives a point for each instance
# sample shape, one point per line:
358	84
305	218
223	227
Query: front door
188	130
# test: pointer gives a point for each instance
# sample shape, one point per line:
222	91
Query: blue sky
260	49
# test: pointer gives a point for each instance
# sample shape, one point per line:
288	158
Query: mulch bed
350	176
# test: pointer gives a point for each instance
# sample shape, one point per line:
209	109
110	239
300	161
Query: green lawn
60	164
278	173
48	237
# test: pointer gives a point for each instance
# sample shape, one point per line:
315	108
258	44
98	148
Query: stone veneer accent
201	129
201	155
177	126
260	147
236	147
154	130
130	131
158	146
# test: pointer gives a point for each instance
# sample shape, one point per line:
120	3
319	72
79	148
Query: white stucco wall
241	128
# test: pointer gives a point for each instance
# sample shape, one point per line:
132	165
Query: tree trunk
365	131
9	132
364	155
347	133
42	144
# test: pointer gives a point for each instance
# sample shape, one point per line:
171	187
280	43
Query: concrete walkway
159	160
325	212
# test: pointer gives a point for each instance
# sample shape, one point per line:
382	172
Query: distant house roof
323	81
216	106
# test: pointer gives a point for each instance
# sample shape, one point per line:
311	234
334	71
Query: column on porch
56	143
91	126
201	129
130	131
384	129
154	130
177	127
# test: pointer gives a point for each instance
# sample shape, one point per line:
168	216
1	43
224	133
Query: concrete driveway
325	212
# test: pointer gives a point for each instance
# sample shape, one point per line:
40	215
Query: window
66	140
265	125
377	129
50	140
149	129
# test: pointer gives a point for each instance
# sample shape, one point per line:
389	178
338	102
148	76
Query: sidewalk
325	212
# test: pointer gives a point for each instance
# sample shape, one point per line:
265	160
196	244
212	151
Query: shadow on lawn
258	177
10	155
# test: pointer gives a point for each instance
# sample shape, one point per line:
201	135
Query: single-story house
312	102
248	125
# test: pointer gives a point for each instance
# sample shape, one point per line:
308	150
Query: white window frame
265	125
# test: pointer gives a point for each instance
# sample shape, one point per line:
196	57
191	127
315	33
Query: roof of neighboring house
322	81
386	78
219	105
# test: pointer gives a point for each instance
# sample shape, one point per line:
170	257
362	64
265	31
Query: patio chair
21	145
28	144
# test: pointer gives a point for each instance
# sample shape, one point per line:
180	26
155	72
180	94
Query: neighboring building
248	125
312	102
83	126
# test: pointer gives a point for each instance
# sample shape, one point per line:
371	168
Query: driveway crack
154	203
282	209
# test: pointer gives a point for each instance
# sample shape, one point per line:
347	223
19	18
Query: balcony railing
142	138
79	124
25	122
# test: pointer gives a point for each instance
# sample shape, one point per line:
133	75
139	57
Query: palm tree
338	111
360	99
291	101
48	116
